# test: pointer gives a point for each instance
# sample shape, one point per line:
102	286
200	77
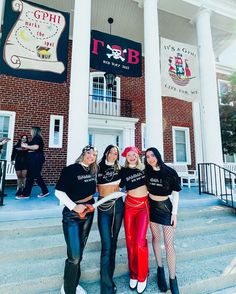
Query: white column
153	100
197	132
212	145
79	85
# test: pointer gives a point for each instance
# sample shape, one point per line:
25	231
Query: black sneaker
18	192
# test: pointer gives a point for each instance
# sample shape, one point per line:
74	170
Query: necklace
84	166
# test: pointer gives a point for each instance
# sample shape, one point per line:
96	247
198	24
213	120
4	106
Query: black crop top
107	174
37	140
76	182
132	178
162	184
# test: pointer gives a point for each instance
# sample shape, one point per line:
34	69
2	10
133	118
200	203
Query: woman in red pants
136	218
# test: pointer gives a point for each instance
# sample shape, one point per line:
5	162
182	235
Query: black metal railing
219	181
111	106
3	165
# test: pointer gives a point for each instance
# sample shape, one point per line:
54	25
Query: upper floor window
224	87
181	145
7	123
99	90
56	131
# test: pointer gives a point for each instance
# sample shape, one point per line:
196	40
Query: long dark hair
105	154
163	167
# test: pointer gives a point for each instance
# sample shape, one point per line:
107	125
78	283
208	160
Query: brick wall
34	102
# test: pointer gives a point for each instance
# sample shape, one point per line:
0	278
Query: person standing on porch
110	216
162	181
19	159
75	189
35	161
136	218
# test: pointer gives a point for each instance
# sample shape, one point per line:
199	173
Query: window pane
4	130
180	140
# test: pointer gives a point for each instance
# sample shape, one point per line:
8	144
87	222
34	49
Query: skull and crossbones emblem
116	52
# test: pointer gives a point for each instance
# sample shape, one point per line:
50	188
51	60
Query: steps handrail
218	181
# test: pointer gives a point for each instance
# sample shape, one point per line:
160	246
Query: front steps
32	253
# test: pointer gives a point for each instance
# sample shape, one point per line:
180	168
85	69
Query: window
7	122
103	100
224	88
100	92
231	158
181	145
56	131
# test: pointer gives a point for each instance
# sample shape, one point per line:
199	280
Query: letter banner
179	70
115	55
34	42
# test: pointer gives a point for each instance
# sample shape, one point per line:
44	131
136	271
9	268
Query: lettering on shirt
156	182
86	178
135	177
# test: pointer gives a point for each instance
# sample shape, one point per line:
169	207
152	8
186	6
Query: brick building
69	114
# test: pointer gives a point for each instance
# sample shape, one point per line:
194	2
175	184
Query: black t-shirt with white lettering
37	140
107	173
161	183
132	178
77	182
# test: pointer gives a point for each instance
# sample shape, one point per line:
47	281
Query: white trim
52	133
143	136
101	74
187	144
11	128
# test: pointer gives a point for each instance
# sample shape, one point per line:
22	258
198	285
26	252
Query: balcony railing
110	106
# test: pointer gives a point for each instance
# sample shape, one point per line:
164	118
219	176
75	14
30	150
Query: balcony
109	106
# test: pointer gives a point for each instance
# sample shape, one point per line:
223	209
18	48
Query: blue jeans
76	233
109	223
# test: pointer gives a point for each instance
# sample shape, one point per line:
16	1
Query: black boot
161	280
19	192
174	286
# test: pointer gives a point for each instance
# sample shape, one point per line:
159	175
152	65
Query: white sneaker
80	290
62	290
141	286
133	283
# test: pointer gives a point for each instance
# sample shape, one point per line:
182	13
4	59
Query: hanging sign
115	54
179	70
34	42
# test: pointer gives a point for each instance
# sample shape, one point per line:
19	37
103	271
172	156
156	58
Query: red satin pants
136	219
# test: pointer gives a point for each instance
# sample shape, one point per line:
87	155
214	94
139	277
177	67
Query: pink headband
130	148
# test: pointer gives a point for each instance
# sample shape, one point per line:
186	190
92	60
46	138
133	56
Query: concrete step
43	246
46	277
186	248
52	225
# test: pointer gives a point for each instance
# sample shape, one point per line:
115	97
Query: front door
101	141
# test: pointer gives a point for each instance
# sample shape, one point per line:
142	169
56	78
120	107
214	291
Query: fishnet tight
168	234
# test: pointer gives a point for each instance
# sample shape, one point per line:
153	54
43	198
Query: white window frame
9	145
51	131
220	82
234	158
187	143
99	74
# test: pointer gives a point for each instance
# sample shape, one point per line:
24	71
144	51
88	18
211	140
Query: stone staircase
32	253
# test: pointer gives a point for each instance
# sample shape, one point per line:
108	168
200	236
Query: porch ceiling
174	20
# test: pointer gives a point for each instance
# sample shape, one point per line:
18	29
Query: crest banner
179	70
